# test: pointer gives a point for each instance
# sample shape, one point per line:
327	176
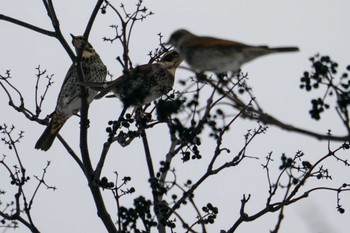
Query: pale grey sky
312	25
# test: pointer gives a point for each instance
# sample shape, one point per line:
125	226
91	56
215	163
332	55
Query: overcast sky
315	26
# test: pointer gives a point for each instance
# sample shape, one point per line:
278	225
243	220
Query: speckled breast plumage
69	100
144	84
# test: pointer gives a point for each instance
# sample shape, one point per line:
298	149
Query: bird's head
77	41
171	60
178	37
173	57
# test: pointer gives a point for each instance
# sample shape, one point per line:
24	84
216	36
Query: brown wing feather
210	41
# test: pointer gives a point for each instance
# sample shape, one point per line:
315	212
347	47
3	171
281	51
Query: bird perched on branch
142	84
217	55
69	101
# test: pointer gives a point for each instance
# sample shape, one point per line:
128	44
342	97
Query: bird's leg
147	114
221	76
140	112
223	79
201	77
142	117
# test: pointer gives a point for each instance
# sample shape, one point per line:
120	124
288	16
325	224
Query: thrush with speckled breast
144	83
205	53
69	101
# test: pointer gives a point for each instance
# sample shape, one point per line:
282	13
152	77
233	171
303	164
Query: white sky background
312	25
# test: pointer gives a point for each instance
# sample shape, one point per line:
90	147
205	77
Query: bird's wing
68	75
215	42
212	42
107	87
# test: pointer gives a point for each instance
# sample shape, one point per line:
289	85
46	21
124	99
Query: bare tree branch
27	25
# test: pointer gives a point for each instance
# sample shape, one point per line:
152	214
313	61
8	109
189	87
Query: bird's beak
73	37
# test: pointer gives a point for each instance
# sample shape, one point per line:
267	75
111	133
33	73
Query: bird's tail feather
97	86
48	136
103	88
284	49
